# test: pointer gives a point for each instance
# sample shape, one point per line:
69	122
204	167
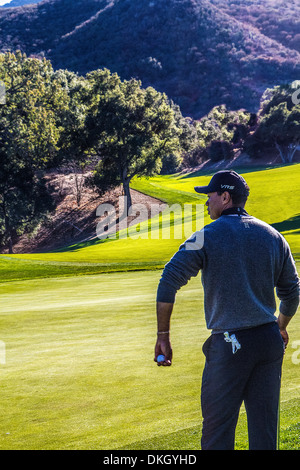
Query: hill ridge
195	51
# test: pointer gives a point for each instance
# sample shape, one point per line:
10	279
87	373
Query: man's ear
226	197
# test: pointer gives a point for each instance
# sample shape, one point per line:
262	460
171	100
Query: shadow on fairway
239	169
292	223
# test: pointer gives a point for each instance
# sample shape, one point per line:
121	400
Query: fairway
274	198
79	371
78	328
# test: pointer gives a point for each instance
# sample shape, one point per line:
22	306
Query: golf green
79	371
78	329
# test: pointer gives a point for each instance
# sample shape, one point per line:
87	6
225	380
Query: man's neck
234	210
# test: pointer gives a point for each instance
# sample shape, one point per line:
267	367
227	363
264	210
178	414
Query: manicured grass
79	371
78	326
274	198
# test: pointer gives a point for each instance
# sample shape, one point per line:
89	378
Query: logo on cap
226	186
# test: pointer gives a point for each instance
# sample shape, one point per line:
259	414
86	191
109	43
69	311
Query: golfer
243	260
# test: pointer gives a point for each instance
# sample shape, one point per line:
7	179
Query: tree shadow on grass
209	171
293	223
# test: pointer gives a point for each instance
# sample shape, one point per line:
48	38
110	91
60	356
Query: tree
282	127
28	142
73	143
278	123
220	150
189	139
130	129
73	139
220	132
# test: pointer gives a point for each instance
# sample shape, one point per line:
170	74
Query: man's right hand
163	346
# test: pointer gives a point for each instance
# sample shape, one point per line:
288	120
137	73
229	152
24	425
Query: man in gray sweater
242	261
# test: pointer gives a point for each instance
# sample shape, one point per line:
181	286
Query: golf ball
160	358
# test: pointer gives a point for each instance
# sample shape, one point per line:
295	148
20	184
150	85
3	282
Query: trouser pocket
206	346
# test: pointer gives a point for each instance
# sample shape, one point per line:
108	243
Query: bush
220	150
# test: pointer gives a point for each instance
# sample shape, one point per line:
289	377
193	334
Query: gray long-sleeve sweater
242	261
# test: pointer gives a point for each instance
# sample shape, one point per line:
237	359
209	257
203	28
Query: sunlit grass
274	198
79	371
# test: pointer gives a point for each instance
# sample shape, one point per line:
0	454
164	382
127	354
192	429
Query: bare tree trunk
291	151
7	230
287	157
127	195
79	181
282	156
126	188
10	244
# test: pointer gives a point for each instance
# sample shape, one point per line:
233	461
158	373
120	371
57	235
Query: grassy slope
274	198
79	371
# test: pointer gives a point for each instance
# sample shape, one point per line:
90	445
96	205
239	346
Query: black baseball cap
225	180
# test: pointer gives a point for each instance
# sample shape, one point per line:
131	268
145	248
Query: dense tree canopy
278	123
117	129
130	128
28	141
53	118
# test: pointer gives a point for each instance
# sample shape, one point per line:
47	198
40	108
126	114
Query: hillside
70	222
271	199
19	3
279	20
201	54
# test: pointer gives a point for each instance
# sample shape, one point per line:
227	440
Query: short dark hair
238	199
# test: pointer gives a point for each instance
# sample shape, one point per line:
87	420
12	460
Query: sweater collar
234	210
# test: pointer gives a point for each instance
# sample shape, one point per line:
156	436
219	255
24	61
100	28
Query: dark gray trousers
251	375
